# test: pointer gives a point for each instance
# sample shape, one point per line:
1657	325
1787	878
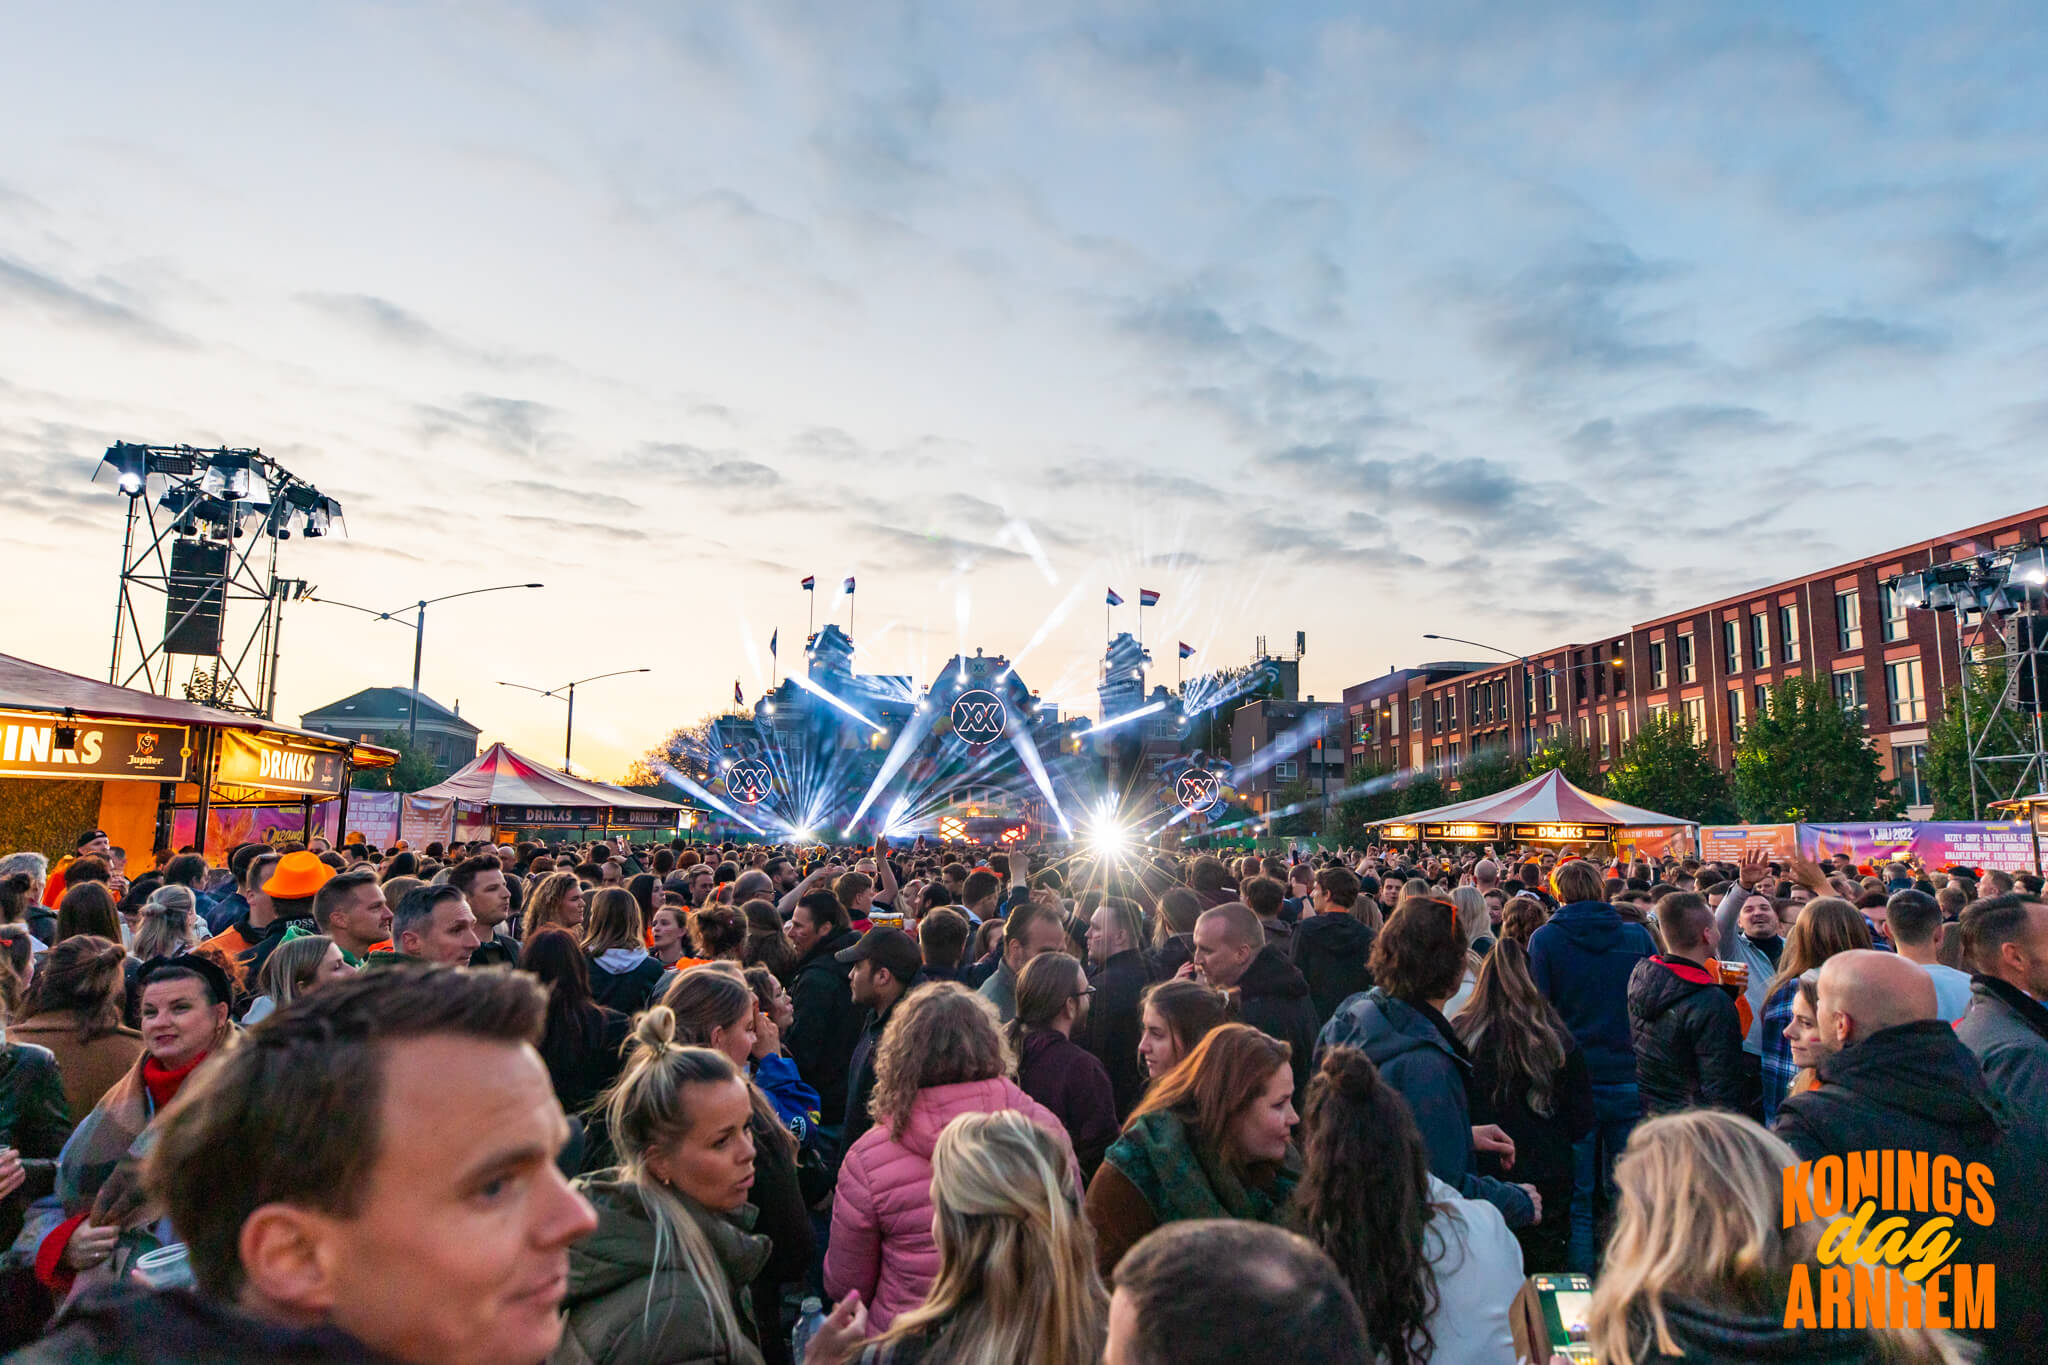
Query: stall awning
505	778
33	688
1547	806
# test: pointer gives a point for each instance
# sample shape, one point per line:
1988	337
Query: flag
849	585
1114	600
1148	597
739	698
810	582
773	636
1187	651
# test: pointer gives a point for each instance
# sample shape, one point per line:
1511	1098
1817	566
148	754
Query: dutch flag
1187	651
1114	600
1148	597
810	582
849	586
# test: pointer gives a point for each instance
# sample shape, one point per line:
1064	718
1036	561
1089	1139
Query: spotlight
2030	566
1911	590
130	464
227	476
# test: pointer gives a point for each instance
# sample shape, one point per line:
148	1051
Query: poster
424	820
1653	842
1727	843
472	821
227	826
374	815
1938	844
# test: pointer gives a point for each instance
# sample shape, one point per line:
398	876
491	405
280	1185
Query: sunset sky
1518	323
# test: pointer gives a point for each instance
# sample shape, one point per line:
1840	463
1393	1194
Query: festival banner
1653	841
473	821
374	815
424	820
1938	844
1727	843
227	826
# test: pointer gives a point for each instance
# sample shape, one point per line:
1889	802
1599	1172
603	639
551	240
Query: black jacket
1688	1039
1273	998
1916	1088
1728	1334
585	1056
827	1026
1172	955
1333	952
126	1323
1116	1023
495	951
1543	1143
629	991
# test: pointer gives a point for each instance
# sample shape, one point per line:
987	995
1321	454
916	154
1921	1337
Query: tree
685	748
1300	824
1804	757
1570	755
415	768
1947	766
1381	801
1664	768
1489	770
1423	791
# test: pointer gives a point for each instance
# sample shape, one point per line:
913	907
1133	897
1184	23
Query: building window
1695	709
1415	716
1284	770
1585	730
1688	671
1761	693
1759	640
1735	713
1909	763
1894	614
1788	633
1622	723
1659	708
1902	680
1549	689
1657	678
1731	646
1436	715
1552	730
1850	693
1848	620
1451	710
1394	721
1606	745
1436	758
1528	692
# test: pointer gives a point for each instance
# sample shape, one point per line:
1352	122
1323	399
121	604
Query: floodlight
228	476
2030	566
130	464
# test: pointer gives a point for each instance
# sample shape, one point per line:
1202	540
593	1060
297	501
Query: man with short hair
395	1196
1266	896
827	1027
782	871
1224	1291
1333	942
884	966
942	938
431	924
2006	939
1231	954
979	892
1687	1031
291	886
752	885
481	880
350	909
1031	928
1749	932
1915	921
1903	1081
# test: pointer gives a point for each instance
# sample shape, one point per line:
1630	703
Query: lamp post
1522	730
419	633
567	692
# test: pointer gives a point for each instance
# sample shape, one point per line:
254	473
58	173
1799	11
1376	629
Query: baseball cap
885	947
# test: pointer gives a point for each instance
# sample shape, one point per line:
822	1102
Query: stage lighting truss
242	502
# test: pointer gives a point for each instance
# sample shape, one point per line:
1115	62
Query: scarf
1182	1178
162	1083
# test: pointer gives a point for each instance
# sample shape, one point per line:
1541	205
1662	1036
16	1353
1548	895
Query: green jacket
625	1311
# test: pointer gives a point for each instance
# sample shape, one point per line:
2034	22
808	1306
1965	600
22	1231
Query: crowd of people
900	1104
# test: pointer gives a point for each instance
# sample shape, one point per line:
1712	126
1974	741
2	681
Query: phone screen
1567	1301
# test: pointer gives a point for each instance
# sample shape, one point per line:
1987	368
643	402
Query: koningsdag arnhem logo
1887	1256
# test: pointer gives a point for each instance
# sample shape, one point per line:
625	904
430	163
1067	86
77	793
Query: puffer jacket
1582	960
1688	1039
623	1310
881	1239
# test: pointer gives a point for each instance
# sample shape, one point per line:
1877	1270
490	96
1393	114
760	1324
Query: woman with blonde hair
1017	1278
942	1055
1827	926
664	1276
170	923
1474	919
557	900
296	967
1700	1264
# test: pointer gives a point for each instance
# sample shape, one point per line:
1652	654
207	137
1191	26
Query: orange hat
297	876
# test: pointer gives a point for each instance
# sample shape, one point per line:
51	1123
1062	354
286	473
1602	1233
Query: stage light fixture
2030	566
1911	591
228	476
130	464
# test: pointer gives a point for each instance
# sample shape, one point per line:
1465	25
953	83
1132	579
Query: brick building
1715	662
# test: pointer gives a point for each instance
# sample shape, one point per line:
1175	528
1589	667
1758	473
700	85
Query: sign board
119	749
979	717
227	826
1938	844
1560	832
645	819
1727	843
424	820
1399	834
749	781
1463	829
550	815
1198	789
279	765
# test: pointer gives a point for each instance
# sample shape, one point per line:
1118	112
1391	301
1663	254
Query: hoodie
1333	953
1417	1055
624	979
1069	1080
1582	960
1917	1088
1688	1039
1273	998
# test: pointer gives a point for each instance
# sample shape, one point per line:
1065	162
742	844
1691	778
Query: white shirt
1478	1265
1951	991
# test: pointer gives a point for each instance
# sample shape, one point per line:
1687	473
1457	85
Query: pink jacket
882	1214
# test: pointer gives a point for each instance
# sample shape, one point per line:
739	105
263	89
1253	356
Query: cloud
1856	339
693	464
1577	311
57	302
390	324
513	426
1466	486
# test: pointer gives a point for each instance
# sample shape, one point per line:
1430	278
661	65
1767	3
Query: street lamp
567	692
1523	732
419	631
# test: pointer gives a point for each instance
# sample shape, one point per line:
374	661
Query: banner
1653	842
374	815
472	821
257	763
1937	844
97	748
1727	843
227	826
424	820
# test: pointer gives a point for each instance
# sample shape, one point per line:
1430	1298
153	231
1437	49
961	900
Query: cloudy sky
1512	322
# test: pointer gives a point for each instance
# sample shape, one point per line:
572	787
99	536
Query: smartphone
1567	1300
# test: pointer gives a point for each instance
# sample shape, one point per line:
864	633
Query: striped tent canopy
1548	799
501	776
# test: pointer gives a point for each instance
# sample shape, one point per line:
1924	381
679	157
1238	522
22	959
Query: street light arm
502	587
332	602
1478	645
595	677
524	688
